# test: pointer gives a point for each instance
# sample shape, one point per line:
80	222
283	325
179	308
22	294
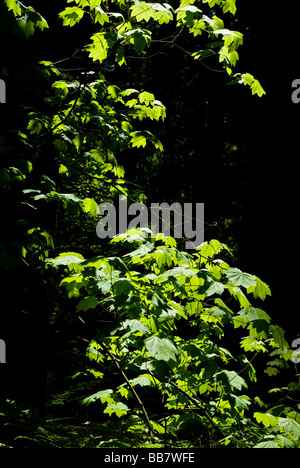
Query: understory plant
178	339
176	357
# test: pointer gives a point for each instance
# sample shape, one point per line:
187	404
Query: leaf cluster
169	314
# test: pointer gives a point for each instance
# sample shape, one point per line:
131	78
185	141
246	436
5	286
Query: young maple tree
169	312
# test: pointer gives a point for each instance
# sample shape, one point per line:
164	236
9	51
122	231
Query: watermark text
2	352
296	354
296	92
2	92
176	220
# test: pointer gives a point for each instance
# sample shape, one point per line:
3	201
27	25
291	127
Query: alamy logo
2	92
296	354
159	218
2	352
296	93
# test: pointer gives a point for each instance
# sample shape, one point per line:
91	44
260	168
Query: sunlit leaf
266	419
87	303
239	278
161	348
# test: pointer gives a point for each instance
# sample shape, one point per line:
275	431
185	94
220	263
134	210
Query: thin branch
68	58
140	403
146	57
79	91
199	60
196	403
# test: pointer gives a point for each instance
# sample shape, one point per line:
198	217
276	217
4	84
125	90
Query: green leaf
178	271
252	344
114	92
190	8
260	290
127	126
249	80
91	3
210	249
211	367
63	169
143	250
201	54
124	392
270	371
266	419
215	288
67	258
143	11
157	301
192	425
146	97
240	296
139	38
34	126
253	314
71	16
61	88
239	278
98	50
101	16
87	303
228	33
278	335
161	348
122	286
286	442
142	380
178	285
239	402
138	139
294	416
157	143
257	88
96	374
134	325
118	263
103	396
14	5
119	409
29	20
229	6
158	428
90	206
268	444
159	368
94	355
120	56
230	378
290	426
66	198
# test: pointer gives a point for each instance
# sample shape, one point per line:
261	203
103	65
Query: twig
140	403
196	403
79	91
